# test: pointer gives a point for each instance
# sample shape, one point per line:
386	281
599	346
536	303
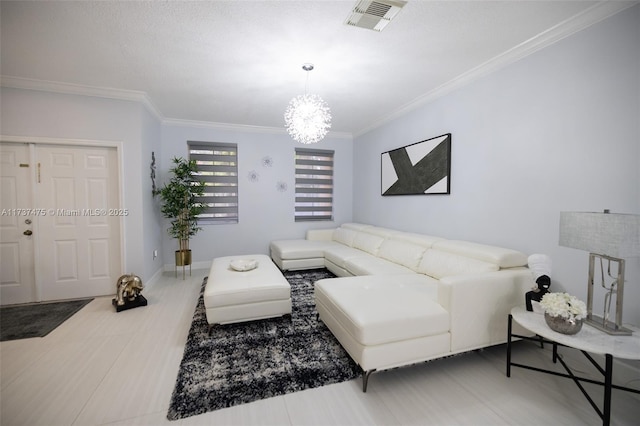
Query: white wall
151	140
31	113
265	214
556	131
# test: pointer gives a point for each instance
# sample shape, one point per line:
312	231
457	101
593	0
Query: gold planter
183	257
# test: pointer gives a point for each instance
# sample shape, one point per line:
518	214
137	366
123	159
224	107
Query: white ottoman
235	296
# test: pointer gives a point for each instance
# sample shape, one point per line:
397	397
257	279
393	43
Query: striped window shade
218	169
314	184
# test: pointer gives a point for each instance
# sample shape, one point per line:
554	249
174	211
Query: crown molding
572	25
81	90
222	126
141	97
45	140
242	127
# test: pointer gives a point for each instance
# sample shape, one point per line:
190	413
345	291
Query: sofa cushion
402	253
376	310
339	254
344	236
367	242
502	257
438	264
371	265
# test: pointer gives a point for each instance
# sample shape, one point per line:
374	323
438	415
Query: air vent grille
376	9
374	15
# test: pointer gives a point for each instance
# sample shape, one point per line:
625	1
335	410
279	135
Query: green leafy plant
180	201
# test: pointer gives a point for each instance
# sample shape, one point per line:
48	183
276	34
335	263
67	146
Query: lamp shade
610	234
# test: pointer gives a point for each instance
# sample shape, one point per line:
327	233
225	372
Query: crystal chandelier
307	118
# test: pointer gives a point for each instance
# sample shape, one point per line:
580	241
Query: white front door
17	215
79	239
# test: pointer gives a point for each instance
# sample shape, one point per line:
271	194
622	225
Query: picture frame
422	168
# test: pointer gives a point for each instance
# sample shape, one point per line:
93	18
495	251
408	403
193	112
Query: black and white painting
420	168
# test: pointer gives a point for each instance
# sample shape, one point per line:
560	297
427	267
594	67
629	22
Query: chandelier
307	118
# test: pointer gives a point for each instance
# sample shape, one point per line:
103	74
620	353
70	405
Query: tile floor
102	367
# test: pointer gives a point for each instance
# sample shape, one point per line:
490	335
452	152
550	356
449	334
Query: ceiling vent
374	15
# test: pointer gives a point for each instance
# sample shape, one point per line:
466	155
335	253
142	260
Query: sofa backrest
401	252
367	242
381	232
344	235
439	264
499	256
355	226
426	241
433	256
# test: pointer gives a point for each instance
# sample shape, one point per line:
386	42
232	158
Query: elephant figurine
129	288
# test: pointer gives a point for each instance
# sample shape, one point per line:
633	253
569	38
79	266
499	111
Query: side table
589	339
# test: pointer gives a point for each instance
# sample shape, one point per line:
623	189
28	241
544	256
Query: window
218	169
314	184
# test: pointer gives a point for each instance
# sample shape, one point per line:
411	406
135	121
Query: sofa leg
365	379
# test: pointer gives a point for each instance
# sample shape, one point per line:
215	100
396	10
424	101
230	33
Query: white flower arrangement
563	305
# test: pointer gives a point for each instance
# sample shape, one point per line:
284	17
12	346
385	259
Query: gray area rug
36	320
245	362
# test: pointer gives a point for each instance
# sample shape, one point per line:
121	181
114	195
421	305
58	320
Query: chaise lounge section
402	298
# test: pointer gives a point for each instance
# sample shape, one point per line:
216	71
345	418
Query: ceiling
240	62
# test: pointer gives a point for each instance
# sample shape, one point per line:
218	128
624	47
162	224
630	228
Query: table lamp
608	237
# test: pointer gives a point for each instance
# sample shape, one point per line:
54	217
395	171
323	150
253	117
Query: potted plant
180	204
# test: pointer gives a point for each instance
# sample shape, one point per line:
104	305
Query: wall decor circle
267	161
253	176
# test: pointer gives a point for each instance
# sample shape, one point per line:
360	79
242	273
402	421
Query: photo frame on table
422	168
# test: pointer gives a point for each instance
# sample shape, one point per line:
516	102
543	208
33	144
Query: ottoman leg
365	379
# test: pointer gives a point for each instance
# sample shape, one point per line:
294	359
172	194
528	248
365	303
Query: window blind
314	184
218	169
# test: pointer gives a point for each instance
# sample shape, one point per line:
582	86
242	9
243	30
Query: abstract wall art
420	168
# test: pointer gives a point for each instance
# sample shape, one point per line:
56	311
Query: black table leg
608	374
509	346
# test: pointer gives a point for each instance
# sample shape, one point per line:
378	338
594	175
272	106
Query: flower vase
563	325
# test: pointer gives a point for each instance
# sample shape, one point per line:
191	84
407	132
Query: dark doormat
36	320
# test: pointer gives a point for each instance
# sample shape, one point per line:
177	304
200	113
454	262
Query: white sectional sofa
402	298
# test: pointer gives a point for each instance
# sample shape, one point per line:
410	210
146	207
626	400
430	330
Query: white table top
588	339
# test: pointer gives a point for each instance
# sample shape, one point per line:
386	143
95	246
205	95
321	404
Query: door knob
28	232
